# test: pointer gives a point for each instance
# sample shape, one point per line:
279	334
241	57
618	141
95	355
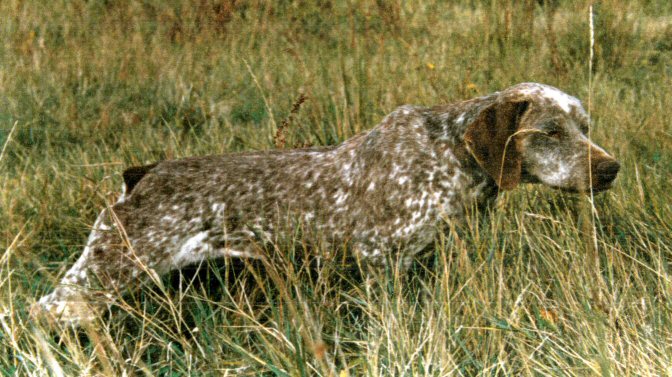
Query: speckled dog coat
383	191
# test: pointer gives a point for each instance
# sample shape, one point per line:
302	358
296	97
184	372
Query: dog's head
536	133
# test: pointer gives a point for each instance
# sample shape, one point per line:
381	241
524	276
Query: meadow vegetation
548	284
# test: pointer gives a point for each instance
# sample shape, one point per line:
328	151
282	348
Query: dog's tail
133	175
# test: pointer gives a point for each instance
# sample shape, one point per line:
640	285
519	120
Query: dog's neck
448	123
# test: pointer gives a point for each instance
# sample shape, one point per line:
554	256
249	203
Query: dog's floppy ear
491	140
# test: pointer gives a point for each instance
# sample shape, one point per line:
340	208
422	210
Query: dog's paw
64	307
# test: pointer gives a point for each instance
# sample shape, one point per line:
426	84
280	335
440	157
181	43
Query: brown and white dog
381	192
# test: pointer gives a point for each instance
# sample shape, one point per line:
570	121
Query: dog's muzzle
604	173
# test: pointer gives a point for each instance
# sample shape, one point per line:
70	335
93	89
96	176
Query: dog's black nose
607	170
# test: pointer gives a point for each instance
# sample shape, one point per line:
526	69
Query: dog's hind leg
110	263
107	265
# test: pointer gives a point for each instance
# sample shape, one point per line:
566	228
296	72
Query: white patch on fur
218	208
340	197
122	197
103	227
192	249
196	249
405	109
559	176
562	99
396	169
238	254
169	219
347	173
557	172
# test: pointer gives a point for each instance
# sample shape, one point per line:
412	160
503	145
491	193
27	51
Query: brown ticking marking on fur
383	193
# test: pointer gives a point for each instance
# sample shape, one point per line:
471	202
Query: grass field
548	284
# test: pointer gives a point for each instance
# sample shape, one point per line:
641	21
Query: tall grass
89	87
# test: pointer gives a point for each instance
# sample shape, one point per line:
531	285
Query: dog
383	192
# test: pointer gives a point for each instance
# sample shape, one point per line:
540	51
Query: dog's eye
554	131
